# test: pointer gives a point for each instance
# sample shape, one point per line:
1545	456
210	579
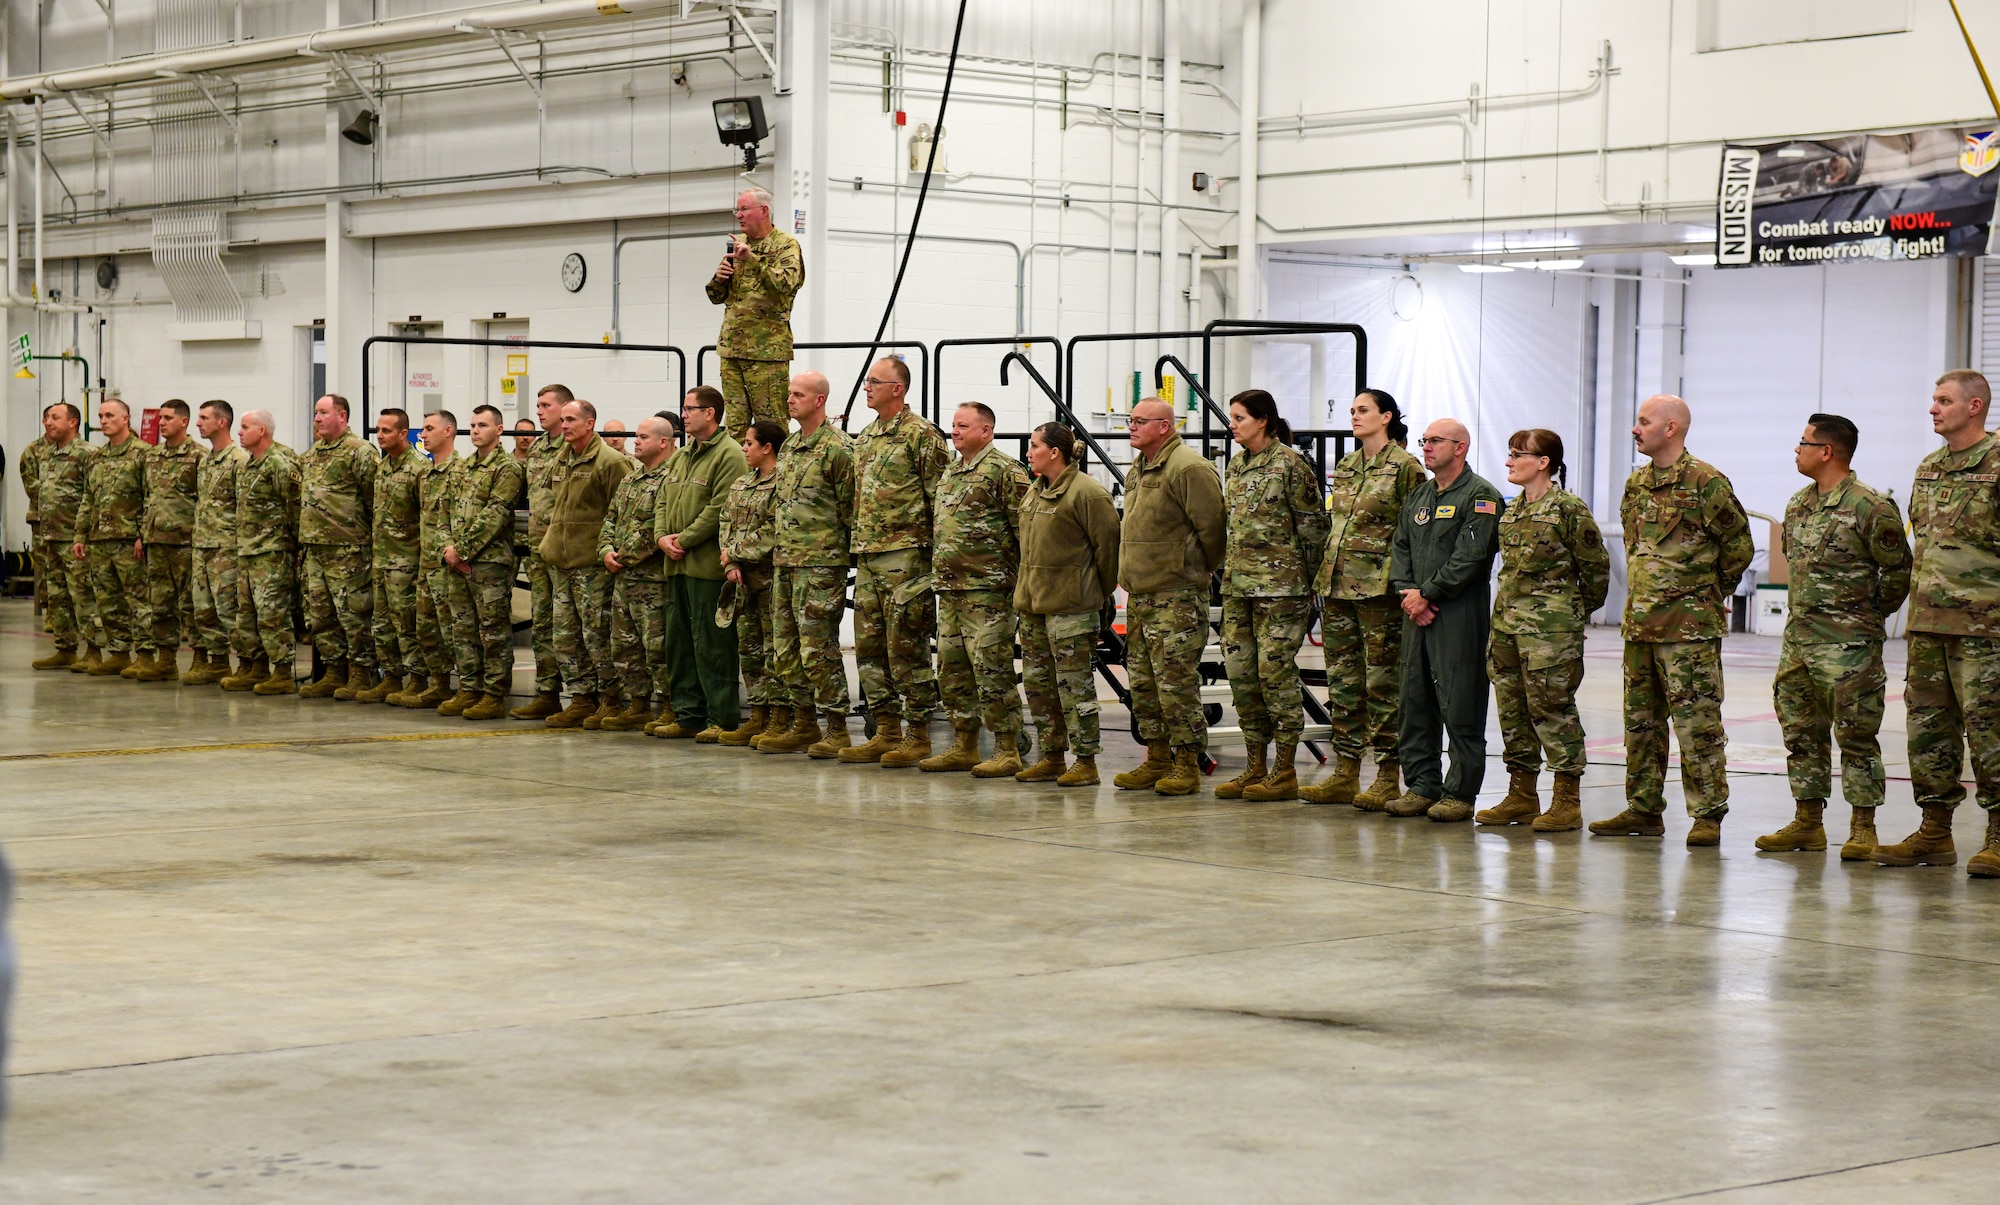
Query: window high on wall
1735	24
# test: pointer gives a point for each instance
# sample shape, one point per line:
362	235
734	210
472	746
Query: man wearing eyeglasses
1170	544
1440	566
755	285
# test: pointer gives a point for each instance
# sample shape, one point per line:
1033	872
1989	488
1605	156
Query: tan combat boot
581	708
1385	790
1521	805
1050	769
1337	787
636	716
760	716
1450	811
416	688
142	660
1805	833
457	703
1283	780
915	747
1253	772
91	659
1861	839
888	735
836	738
491	706
1986	863
1630	823
1409	804
60	659
280	682
197	672
780	724
391	683
249	672
1184	777
1082	774
1707	831
962	756
802	735
608	706
1930	845
1159	760
359	679
1006	759
165	667
112	666
333	679
1565	812
545	704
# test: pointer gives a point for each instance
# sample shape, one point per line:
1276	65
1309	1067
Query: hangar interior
298	951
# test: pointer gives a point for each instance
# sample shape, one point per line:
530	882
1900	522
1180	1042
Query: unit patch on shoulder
1485	506
1447	512
1422	516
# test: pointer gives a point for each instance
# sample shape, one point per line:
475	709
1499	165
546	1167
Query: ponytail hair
1060	440
1399	431
1540	441
1260	405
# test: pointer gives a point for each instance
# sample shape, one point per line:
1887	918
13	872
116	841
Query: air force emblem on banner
1422	516
1981	153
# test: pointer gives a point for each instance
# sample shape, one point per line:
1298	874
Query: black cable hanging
910	240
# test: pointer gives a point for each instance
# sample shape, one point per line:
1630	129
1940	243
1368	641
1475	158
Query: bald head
806	399
655	441
1445	444
1152	425
1660	432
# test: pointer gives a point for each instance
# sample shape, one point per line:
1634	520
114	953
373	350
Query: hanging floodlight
361	131
739	121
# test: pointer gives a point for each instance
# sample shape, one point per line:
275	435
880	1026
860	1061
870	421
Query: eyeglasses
1524	454
1133	424
1807	443
1432	441
872	383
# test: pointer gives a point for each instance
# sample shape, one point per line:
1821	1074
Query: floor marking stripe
303	743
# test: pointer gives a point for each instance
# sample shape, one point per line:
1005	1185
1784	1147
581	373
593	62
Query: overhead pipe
1246	185
13	299
1170	158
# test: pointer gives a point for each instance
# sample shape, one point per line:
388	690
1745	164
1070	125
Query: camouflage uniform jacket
434	509
215	496
628	524
483	498
65	474
976	544
1554	568
1849	561
1955	517
541	484
267	502
30	465
584	485
114	496
815	497
757	300
172	481
398	509
897	465
336	491
748	535
1687	543
1362	506
1277	524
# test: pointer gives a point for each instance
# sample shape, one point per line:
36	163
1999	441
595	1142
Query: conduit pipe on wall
1247	288
1170	159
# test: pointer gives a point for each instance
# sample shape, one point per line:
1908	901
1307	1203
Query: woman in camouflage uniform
748	540
1554	572
1277	530
1069	569
1361	623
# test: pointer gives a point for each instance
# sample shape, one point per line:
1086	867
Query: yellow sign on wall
517	364
507	385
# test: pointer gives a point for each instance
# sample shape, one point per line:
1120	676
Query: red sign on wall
149	425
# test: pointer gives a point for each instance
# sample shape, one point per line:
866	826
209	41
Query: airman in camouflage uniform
167	532
638	584
479	577
336	491
587	474
59	495
1361	627
1850	570
898	460
107	538
1554	571
1687	543
749	540
396	511
1277	533
216	584
433	686
755	284
541	501
975	558
1952	692
267	523
814	507
30	467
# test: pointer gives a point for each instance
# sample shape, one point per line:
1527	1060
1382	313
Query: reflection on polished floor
531	966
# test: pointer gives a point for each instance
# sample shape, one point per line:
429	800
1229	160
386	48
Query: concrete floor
325	961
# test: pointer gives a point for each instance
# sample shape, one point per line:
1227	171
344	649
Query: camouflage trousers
433	624
639	636
37	561
1680	683
482	625
1363	641
753	638
895	613
1165	633
169	594
1825	693
339	601
1260	651
548	666
66	591
975	653
269	591
581	602
1952	696
806	602
1057	655
118	595
215	592
754	390
395	587
1534	686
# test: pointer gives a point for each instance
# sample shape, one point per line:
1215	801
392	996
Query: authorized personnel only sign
1915	195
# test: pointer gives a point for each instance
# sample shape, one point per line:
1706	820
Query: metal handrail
1068	416
1274	326
367	345
1209	408
922	376
937	360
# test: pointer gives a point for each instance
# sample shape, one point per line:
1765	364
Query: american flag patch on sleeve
1485	508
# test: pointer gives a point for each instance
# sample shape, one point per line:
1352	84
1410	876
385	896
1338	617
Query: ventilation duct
193	169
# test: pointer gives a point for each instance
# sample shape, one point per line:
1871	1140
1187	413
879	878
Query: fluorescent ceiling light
1546	265
1483	268
1704	259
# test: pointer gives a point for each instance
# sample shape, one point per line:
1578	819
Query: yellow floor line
303	743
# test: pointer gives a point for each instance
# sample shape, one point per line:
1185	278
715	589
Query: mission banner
1917	195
